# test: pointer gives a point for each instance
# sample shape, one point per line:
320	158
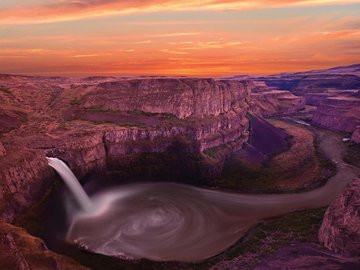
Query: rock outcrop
276	103
356	135
19	250
340	230
338	113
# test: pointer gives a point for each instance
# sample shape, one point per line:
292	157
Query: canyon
333	94
72	121
163	128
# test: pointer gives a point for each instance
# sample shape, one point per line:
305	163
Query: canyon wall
179	97
338	113
276	103
111	123
335	93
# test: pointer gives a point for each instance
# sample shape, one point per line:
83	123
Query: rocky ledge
340	230
276	103
21	251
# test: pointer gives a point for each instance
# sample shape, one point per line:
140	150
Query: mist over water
174	222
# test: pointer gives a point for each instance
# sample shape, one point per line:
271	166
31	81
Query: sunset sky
199	38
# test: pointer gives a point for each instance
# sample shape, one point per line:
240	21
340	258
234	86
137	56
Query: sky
164	37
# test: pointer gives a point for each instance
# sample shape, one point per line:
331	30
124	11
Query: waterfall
71	181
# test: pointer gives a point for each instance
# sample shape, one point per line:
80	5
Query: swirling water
175	222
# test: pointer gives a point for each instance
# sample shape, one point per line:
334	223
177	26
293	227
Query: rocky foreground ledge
339	233
340	230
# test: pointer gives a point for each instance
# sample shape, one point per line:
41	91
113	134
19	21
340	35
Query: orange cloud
72	10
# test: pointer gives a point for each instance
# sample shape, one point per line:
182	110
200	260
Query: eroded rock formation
340	230
276	103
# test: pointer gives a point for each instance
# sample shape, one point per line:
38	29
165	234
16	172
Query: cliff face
106	123
179	97
24	178
276	103
339	113
339	231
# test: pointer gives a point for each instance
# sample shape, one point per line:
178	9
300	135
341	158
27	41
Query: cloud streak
211	43
79	9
